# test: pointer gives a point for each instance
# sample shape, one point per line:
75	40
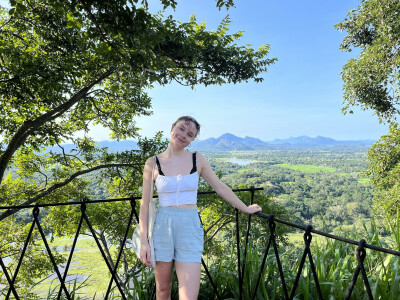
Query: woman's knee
163	274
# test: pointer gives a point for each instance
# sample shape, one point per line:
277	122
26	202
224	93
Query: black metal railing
241	262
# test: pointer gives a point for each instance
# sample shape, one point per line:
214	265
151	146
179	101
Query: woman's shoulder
150	160
199	157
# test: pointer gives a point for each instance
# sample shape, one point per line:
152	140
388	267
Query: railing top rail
308	228
109	200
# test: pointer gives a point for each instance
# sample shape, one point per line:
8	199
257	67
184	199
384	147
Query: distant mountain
317	141
229	141
305	140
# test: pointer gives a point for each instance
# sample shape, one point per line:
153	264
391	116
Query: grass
296	238
307	168
363	180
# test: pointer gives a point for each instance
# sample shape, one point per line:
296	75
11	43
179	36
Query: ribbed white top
177	190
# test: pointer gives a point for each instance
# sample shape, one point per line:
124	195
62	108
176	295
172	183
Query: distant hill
317	141
230	141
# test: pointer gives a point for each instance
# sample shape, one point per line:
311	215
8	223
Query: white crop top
177	190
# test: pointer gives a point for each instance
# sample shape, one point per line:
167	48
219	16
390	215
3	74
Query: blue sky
301	93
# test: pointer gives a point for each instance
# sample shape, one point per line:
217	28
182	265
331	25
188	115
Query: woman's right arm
144	212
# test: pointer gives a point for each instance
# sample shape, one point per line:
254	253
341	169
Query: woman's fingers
148	255
254	208
145	258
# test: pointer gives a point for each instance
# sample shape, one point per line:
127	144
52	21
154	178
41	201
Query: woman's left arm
221	188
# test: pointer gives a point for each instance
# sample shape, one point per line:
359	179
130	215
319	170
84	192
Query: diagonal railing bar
238	253
307	241
263	263
133	210
210	278
247	237
360	254
70	255
36	217
3	266
272	227
113	274
12	287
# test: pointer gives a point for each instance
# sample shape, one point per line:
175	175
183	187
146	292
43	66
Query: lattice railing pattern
241	262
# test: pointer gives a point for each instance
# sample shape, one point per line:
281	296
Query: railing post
272	229
238	253
247	237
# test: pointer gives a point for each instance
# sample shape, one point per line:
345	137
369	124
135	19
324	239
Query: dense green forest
321	186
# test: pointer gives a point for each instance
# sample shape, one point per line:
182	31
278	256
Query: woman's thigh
163	274
189	279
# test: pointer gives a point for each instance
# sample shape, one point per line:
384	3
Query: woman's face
183	133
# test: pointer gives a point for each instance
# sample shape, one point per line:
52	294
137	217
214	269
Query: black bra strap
159	167
194	169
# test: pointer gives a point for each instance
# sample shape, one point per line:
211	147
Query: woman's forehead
188	124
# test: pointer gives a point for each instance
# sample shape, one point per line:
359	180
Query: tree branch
56	186
103	36
29	127
216	222
218	229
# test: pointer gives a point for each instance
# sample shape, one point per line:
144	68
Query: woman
178	234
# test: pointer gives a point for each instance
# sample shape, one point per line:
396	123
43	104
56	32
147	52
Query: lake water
241	162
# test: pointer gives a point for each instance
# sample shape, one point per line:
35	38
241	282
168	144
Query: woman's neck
173	151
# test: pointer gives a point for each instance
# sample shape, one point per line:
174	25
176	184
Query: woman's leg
189	280
163	273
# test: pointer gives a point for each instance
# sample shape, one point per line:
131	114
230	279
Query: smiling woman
178	234
187	127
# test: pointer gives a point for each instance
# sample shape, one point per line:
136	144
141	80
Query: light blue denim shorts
178	235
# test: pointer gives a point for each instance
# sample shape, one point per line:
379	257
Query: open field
307	168
87	265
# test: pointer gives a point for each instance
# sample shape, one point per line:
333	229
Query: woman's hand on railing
251	209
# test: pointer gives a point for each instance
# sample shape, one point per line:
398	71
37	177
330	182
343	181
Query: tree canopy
65	65
371	80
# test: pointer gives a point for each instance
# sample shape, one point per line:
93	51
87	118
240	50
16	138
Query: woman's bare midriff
185	206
